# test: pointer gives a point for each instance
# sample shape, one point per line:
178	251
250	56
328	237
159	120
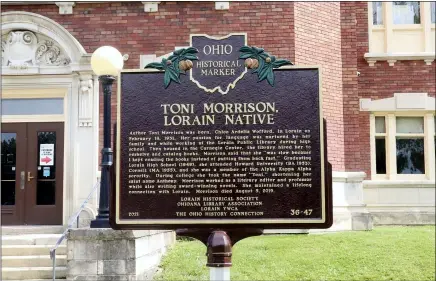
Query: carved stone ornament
85	101
23	49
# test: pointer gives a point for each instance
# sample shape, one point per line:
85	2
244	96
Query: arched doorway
49	121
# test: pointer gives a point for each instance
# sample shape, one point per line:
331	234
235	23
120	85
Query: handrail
71	219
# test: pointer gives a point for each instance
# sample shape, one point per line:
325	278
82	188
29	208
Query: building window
401	147
400	31
433	12
380	145
377	13
406	12
410	145
402	136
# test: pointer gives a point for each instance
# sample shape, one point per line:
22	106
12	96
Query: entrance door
32	173
13	172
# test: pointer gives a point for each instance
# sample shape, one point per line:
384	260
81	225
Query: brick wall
125	26
318	42
352	153
376	82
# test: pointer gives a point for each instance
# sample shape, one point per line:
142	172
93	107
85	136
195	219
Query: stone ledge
392	58
130	277
110	234
348	176
398	183
404	218
106	254
362	221
399	102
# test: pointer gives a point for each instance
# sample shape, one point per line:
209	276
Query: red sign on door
46	154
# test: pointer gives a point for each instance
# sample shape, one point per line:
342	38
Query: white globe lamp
107	60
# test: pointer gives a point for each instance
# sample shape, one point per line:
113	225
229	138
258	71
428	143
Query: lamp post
106	62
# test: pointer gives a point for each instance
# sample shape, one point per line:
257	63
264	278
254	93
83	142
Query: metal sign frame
219	223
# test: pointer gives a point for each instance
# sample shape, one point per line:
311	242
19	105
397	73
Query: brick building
378	83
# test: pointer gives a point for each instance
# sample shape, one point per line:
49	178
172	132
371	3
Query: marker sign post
233	146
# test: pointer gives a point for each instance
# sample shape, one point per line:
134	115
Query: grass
386	253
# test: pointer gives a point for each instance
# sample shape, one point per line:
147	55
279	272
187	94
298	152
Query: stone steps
29	229
31	239
30	250
26	253
33	261
22	273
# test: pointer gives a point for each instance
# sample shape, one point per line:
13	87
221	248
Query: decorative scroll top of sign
178	63
218	62
261	62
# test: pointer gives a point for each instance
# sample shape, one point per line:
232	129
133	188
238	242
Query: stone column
106	254
349	209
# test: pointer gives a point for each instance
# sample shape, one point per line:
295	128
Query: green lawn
386	253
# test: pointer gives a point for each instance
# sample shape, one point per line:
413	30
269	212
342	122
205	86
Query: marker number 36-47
297	212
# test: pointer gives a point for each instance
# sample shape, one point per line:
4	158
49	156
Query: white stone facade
40	59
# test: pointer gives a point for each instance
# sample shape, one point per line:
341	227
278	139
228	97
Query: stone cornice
372	58
400	102
348	176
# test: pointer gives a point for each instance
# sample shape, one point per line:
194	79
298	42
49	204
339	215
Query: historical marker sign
248	155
